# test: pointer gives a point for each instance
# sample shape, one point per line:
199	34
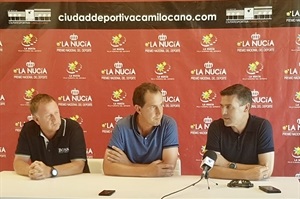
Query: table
85	186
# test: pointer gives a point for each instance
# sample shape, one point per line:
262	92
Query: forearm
256	172
227	173
74	167
222	162
118	169
21	167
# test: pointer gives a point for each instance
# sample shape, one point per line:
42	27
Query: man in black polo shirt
243	142
48	145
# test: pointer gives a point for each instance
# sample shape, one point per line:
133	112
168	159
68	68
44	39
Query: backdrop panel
91	55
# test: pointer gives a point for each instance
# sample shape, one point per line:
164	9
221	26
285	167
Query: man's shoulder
70	125
168	118
125	120
258	119
30	125
70	121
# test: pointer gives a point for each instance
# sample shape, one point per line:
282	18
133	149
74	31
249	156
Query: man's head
235	103
45	113
242	93
148	102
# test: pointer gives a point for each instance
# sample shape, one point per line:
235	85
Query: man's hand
116	155
258	173
159	169
38	171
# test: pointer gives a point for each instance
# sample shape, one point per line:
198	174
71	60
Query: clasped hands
156	168
38	171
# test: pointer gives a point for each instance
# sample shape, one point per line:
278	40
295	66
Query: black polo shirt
67	144
257	138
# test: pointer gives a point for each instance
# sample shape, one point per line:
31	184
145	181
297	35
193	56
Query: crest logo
292	73
207	99
118	98
77	118
254	71
74	67
75	99
254	68
162	45
29	94
261	101
170	101
117	43
20	124
296	153
256	44
202	151
201	128
28	42
209	73
73	70
291	129
107	127
293	16
119	72
208	96
30	72
74	45
118	95
208	40
208	43
161	70
297	97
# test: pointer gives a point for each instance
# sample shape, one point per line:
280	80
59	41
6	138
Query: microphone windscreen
210	154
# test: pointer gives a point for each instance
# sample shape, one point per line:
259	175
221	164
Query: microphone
208	161
209	158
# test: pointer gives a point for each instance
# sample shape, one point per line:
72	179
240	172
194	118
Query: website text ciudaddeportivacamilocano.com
121	17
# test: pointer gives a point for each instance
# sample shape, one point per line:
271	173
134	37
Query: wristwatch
232	165
53	172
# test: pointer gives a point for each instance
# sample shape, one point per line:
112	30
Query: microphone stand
183	188
207	180
205	175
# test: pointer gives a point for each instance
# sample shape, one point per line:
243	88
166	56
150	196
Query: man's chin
227	123
156	123
56	127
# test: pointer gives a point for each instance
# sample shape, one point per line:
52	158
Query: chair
177	170
95	165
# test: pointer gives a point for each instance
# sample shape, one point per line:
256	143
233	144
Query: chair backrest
177	170
95	165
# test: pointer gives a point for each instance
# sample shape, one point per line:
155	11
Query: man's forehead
229	99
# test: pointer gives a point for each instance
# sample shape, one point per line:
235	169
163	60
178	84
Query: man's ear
36	120
247	107
137	108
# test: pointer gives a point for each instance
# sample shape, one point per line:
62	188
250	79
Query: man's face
151	113
232	110
48	117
